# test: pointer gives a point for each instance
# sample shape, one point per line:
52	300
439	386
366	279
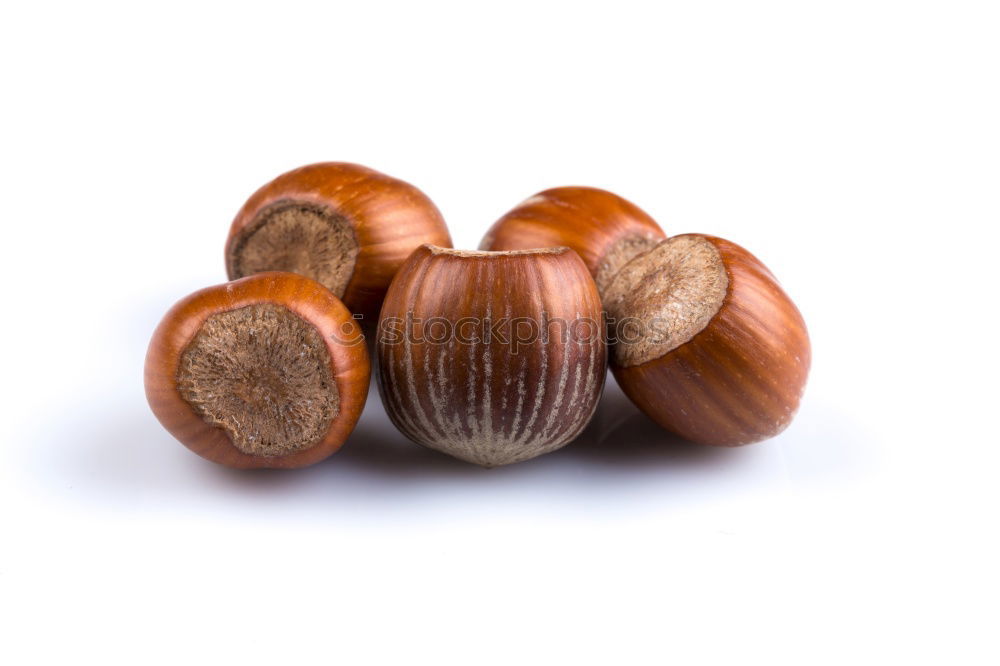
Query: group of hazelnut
493	356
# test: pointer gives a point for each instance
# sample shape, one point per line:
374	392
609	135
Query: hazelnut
267	371
491	357
603	228
707	342
344	225
704	340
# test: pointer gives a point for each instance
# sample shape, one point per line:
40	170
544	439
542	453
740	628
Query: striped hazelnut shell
456	378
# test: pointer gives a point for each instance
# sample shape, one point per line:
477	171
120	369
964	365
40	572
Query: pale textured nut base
668	295
620	253
298	237
263	374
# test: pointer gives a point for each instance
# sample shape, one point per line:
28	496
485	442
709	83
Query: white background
853	146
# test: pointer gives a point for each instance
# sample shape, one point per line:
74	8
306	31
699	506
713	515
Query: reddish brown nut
346	226
708	344
267	371
491	357
603	228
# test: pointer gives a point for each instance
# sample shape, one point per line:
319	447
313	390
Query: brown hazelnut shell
603	228
389	219
740	379
305	298
480	402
